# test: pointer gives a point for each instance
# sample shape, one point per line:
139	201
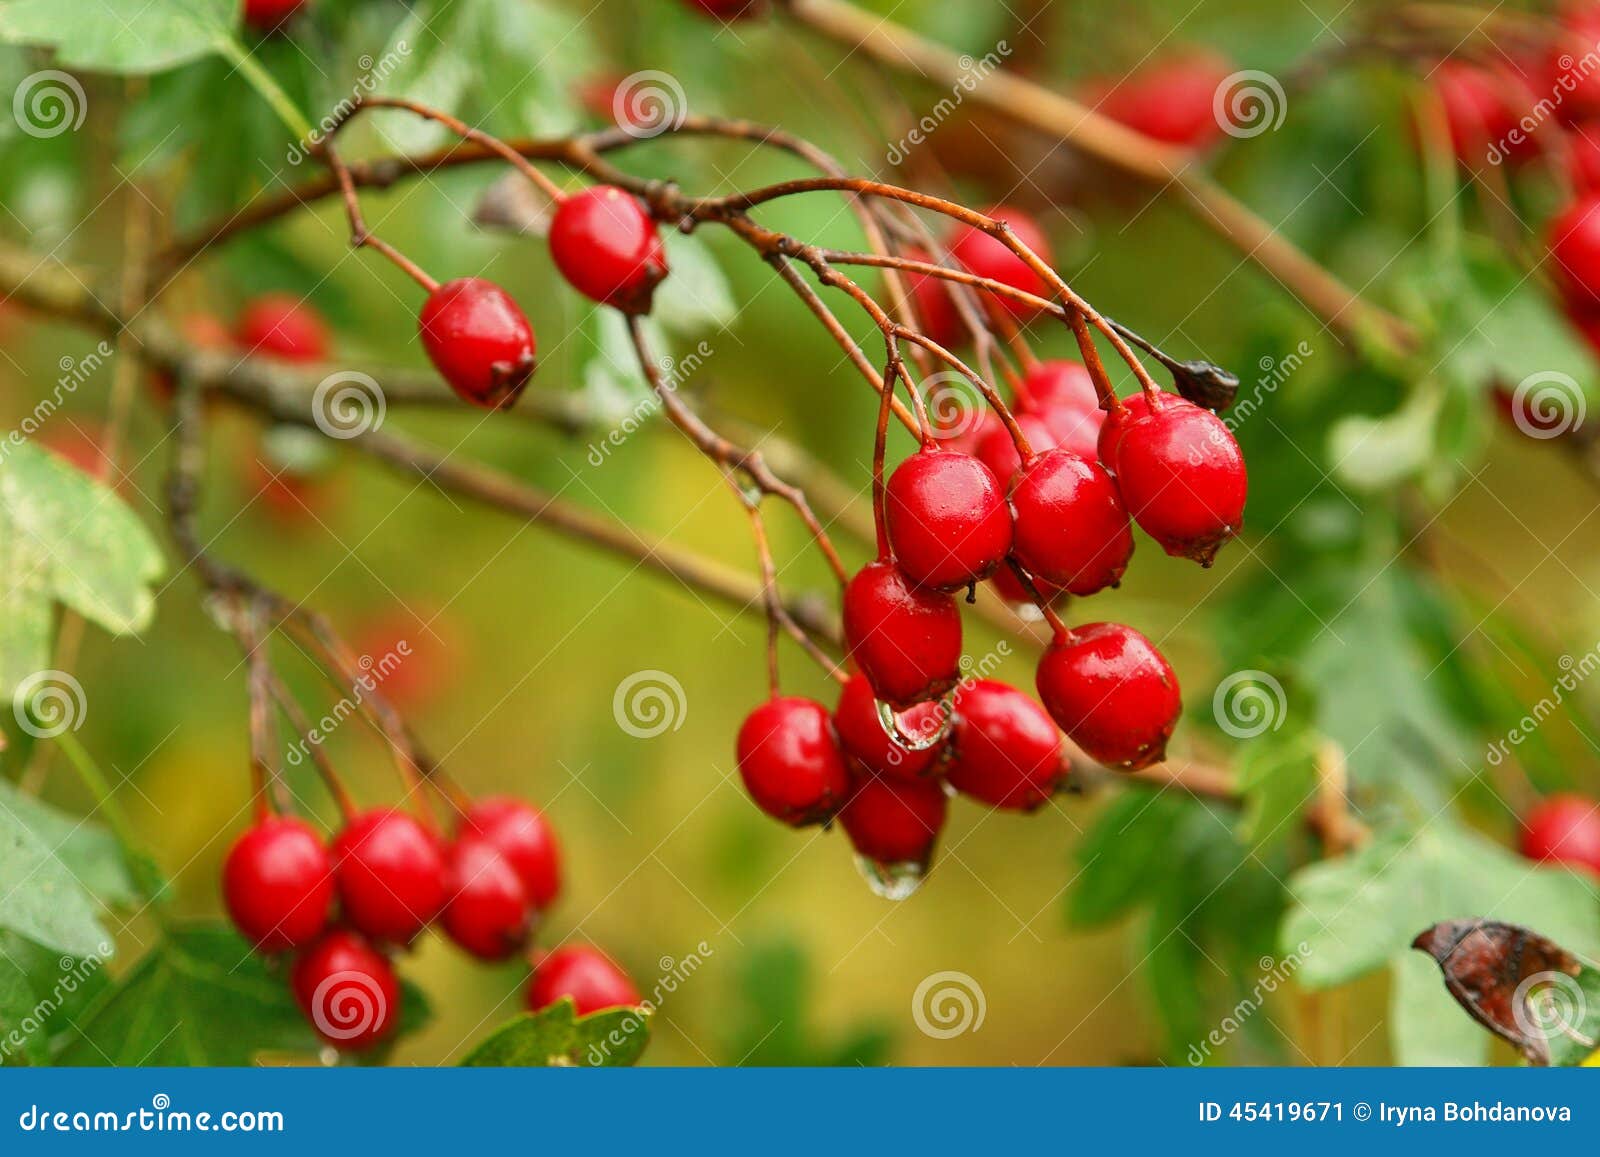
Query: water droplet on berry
897	881
918	738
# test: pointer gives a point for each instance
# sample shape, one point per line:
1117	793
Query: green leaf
1117	859
41	897
121	36
65	538
1277	759
695	298
86	849
556	1036
41	994
1426	1027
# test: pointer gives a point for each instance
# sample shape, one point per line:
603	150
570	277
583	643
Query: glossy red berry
1173	101
893	821
998	450
1058	383
266	15
1183	479
282	326
488	912
905	640
523	836
1072	529
608	248
989	257
1112	692
391	875
862	734
1564	829
1004	749
1117	422
1574	240
790	761
584	974
347	989
478	340
947	518
278	884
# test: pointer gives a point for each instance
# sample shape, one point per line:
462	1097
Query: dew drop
917	740
896	881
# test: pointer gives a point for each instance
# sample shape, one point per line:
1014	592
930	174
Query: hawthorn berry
584	974
277	883
947	519
1482	112
989	257
523	836
608	248
347	989
1563	829
1183	479
478	340
790	761
998	450
893	821
266	15
1172	100
1004	749
1010	588
1112	692
931	299
1117	422
862	734
280	325
391	875
1573	237
1568	72
488	912
1071	526
1052	384
905	640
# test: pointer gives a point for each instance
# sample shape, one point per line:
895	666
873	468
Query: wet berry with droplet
524	837
488	912
585	975
1004	748
905	640
277	883
1072	529
479	341
947	518
348	990
790	761
1563	829
391	875
1183	479
861	732
608	248
1112	692
893	821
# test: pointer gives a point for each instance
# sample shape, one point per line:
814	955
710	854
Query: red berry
1010	588
347	990
999	453
1058	383
278	884
1482	110
478	340
521	834
414	654
905	640
935	306
729	9
1112	692
1574	240
1569	72
987	256
266	15
585	975
391	875
1071	526
1004	750
1183	479
892	821
1564	829
280	325
1173	100
608	248
1116	424
947	519
862	734
488	912
790	761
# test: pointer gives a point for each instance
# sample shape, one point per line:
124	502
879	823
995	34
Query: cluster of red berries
389	876
1564	829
